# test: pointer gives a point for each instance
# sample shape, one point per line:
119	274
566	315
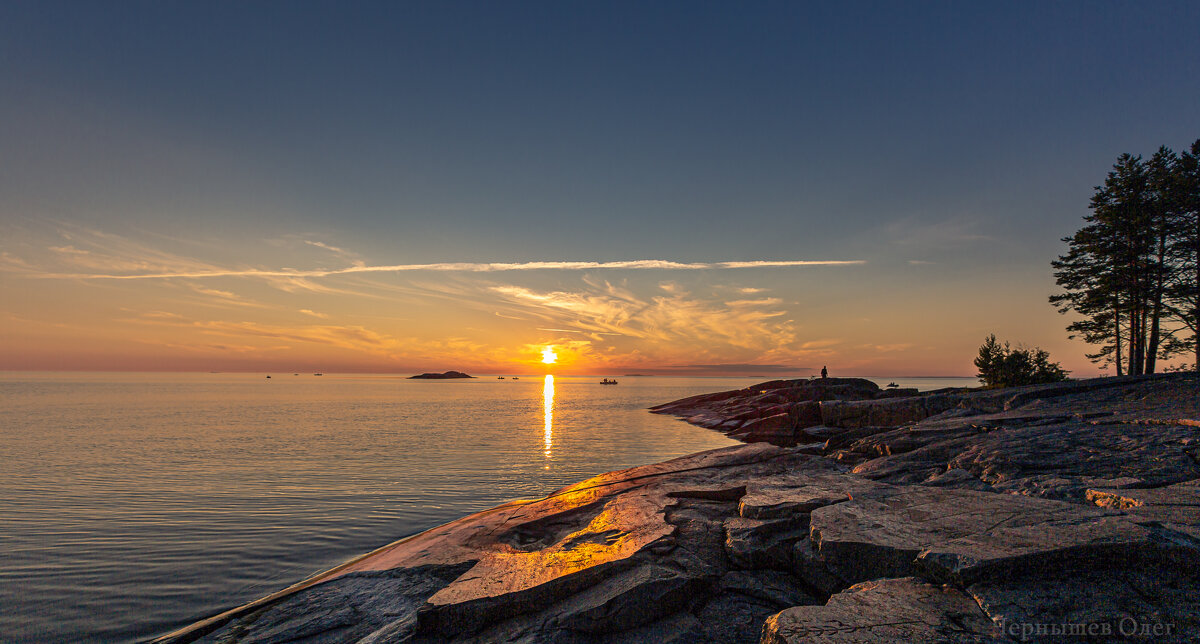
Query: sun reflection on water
548	411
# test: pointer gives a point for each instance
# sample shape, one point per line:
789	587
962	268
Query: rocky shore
1065	512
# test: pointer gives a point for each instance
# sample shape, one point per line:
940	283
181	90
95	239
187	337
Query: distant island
440	376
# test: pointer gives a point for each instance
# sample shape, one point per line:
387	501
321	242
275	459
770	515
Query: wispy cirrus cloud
731	369
605	309
951	232
332	249
222	298
888	348
463	267
352	337
766	301
112	255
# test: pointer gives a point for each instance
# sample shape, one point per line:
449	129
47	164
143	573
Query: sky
690	188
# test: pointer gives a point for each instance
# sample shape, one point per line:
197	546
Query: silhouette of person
824	372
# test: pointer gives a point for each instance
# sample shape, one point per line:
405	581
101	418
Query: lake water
132	504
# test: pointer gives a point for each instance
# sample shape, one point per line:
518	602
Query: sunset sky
690	188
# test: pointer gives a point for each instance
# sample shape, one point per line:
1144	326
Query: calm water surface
131	504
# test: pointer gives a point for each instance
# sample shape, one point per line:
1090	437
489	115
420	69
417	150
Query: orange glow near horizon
80	306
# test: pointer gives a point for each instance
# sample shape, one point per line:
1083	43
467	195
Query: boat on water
499	377
606	381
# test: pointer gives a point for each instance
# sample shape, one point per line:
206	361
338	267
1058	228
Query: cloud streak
462	267
659	321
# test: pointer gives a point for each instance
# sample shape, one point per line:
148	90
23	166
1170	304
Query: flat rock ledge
1067	512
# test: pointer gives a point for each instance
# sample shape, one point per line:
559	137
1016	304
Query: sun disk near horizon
548	355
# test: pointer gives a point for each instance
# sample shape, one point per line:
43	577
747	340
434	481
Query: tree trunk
1160	275
1117	337
1135	341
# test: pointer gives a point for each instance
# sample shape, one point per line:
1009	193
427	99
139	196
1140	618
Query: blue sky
946	145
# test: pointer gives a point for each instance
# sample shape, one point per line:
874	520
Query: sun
549	356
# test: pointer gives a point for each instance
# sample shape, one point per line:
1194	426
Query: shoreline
542	563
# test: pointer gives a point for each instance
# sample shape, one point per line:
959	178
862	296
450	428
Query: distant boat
318	374
515	378
499	377
892	385
268	376
606	381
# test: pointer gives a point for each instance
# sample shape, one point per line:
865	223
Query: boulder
777	430
963	535
800	399
1175	506
887	611
886	412
1058	460
1143	602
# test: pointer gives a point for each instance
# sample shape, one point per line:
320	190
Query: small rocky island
448	375
1063	512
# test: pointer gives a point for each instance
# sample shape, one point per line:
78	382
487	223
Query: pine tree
1131	272
1001	366
1103	273
1183	285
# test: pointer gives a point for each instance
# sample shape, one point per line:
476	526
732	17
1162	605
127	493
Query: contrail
462	267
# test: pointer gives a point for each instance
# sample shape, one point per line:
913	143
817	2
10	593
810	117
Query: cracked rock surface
1066	512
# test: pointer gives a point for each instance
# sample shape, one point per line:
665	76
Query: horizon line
496	373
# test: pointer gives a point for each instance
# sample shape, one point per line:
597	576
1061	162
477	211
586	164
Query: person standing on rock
824	372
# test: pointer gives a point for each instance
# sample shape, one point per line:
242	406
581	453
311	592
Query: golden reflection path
548	411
